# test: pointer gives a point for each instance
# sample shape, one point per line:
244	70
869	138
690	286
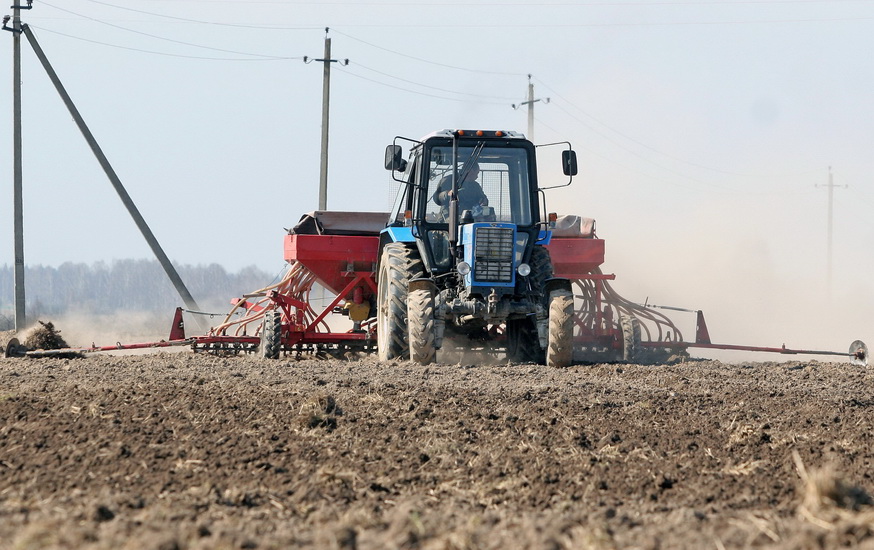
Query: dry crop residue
178	451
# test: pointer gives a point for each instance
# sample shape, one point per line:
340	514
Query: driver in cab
470	194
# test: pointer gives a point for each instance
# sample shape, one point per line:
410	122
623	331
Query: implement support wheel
271	334
631	348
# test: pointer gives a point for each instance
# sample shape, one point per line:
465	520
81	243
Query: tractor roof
497	134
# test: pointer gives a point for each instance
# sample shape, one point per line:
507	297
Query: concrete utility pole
326	99
530	103
17	193
831	186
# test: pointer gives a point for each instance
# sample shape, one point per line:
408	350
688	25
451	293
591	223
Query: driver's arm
441	195
483	198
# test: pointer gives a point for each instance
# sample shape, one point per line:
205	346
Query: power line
649	175
202	22
436	63
539	5
280	58
672	171
392	86
617	163
430	87
263	57
526	4
166	54
156	36
624	135
635	153
245	53
472	26
650	148
857	189
480	98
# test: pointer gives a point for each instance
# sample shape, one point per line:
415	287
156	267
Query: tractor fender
544	237
392	235
397	234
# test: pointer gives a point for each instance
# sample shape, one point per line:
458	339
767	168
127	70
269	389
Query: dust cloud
759	276
82	330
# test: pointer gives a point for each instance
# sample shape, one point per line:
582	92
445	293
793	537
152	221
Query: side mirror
393	158
569	162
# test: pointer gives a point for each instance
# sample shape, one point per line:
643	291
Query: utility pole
831	187
326	99
530	103
17	194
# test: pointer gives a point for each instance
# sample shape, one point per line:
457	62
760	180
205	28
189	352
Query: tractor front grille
493	254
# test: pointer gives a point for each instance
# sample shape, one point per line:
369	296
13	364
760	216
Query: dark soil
178	451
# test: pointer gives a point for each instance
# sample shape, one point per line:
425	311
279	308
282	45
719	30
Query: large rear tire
420	315
271	334
398	264
560	348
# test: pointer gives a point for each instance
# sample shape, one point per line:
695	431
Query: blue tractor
464	251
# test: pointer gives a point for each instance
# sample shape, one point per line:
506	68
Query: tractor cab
456	178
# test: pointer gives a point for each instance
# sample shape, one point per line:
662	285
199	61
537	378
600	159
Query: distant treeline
123	285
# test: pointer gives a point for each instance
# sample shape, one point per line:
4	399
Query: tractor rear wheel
271	334
631	348
420	315
523	344
560	348
398	264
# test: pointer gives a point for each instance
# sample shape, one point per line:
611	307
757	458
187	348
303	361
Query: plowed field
178	451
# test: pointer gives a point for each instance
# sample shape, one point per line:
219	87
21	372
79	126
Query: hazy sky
703	129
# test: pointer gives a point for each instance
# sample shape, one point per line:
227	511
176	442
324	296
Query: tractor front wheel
420	315
560	348
523	344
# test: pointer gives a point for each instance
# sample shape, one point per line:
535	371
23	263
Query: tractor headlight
524	270
463	268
